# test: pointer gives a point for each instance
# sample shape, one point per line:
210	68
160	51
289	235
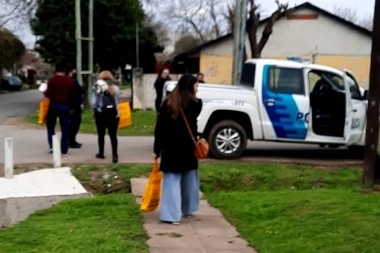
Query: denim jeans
180	195
62	112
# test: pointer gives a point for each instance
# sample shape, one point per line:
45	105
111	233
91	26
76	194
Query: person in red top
61	93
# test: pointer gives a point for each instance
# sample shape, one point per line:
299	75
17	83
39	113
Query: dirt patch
106	182
21	123
316	164
171	235
19	169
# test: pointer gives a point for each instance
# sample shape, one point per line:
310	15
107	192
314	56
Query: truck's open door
352	126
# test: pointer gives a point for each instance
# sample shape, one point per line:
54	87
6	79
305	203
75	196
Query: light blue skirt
180	195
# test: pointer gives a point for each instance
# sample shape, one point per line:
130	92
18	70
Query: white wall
304	37
144	93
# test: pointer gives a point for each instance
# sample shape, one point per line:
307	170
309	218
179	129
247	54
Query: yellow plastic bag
125	115
43	111
152	193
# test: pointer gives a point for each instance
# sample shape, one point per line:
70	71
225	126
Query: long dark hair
182	94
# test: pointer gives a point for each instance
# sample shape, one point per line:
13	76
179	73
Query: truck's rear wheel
227	140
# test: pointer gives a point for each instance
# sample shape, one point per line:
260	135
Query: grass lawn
308	221
143	123
276	208
125	86
103	224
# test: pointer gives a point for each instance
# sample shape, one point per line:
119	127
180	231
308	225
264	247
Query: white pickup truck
283	101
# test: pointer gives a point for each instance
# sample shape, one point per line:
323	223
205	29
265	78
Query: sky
364	8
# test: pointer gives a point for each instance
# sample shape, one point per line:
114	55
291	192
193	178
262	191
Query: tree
185	43
253	22
351	15
11	49
159	29
229	17
205	19
150	43
16	13
210	19
114	32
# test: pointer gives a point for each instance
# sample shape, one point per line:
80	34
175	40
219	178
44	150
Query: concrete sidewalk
30	146
206	232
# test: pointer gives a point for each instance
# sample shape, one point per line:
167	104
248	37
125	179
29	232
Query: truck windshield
248	75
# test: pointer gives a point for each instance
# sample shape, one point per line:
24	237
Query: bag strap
187	125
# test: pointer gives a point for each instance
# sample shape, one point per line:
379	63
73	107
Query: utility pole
371	152
90	39
137	46
90	49
78	38
239	39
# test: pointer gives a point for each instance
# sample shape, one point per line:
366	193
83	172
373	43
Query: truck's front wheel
227	140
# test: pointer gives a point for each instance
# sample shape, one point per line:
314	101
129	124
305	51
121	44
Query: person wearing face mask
163	76
76	116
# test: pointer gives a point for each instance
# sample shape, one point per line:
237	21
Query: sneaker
170	222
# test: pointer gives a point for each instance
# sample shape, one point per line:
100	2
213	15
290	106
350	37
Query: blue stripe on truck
284	113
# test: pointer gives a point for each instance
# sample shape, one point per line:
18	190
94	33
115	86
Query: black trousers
62	112
103	123
75	121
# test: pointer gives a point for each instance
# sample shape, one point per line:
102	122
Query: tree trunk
252	25
268	30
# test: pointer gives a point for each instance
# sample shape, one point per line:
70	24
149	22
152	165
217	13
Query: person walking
61	93
173	143
163	76
76	116
105	100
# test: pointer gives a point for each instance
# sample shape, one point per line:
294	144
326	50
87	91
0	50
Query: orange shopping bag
44	109
152	193
125	115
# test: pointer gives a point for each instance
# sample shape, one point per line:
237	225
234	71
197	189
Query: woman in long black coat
163	76
173	143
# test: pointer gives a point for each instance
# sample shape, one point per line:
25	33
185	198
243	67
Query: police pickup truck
283	101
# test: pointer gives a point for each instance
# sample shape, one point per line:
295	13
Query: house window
286	80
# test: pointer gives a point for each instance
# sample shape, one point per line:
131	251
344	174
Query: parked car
11	83
282	101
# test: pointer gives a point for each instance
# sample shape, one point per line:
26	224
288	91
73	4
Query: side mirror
365	95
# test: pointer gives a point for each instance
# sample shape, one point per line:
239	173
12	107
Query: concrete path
206	232
30	146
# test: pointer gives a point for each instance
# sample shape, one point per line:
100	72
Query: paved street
30	146
24	103
18	104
